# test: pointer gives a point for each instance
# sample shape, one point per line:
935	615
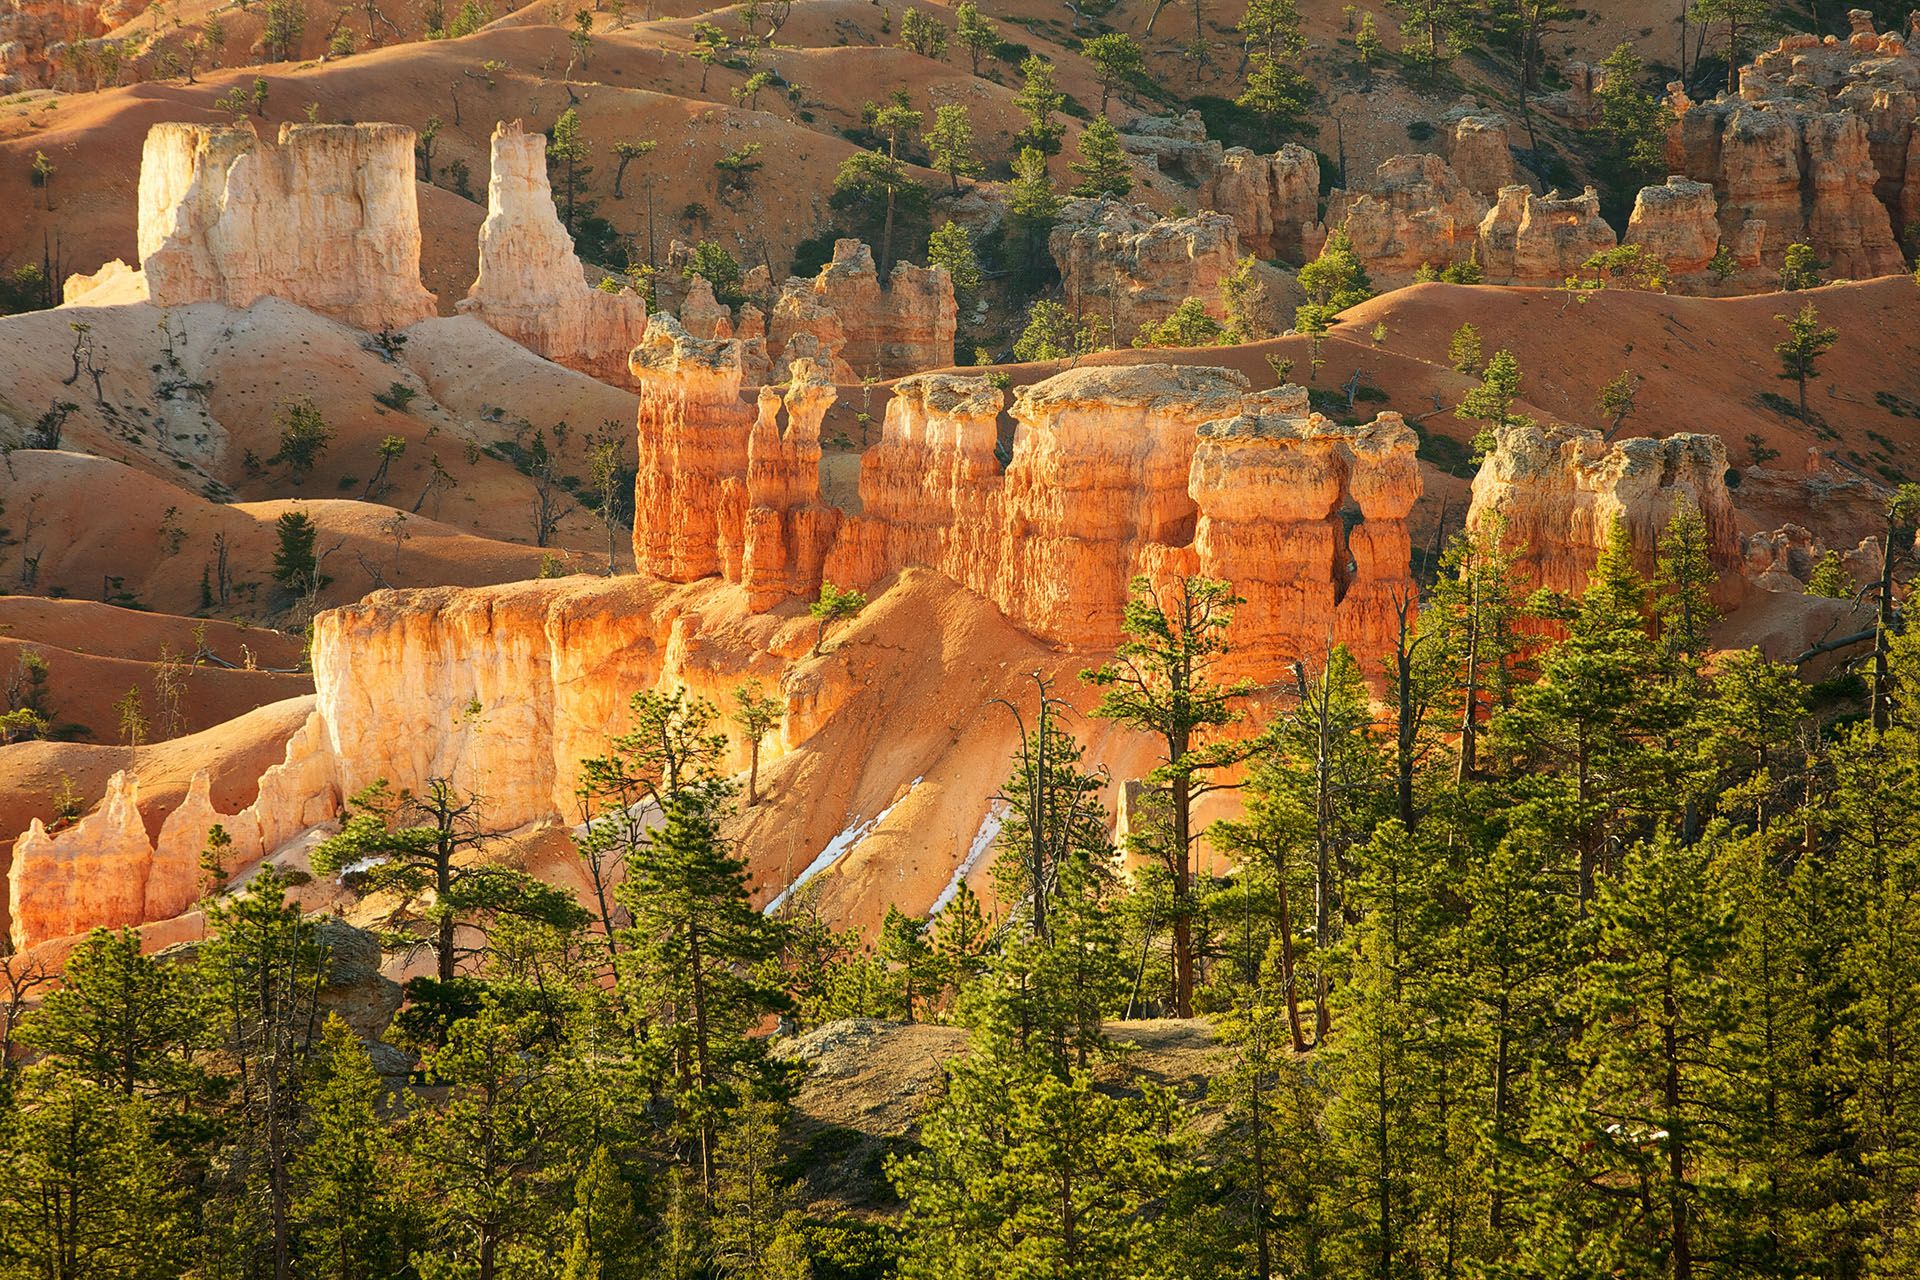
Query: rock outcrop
1561	489
1415	214
1816	147
106	871
1478	149
1111	472
1274	200
327	219
1528	239
1130	267
903	328
1675	223
531	286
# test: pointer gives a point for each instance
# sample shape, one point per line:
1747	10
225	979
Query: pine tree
950	144
1278	94
905	947
976	35
265	967
1102	165
754	1229
120	1019
605	1239
1041	100
567	153
85	1185
1683	587
1806	341
416	846
950	247
1492	401
1463	349
690	963
1656	1010
348	1220
1163	682
757	715
1333	282
1032	204
490	1159
1117	60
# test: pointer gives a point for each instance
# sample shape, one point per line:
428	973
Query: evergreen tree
120	1019
976	35
347	1216
265	967
1333	282
951	248
85	1185
1162	681
567	153
1188	325
904	945
1102	165
1806	341
1032	205
490	1159
1042	101
690	962
950	144
1463	349
1117	60
604	1232
416	846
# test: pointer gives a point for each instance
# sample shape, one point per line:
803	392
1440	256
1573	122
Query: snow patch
982	841
840	844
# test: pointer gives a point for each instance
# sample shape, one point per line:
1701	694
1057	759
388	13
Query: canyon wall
1128	267
1560	490
531	287
327	219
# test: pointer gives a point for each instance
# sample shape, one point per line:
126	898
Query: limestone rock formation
906	327
1478	149
1121	470
106	871
327	219
1560	490
1816	147
1416	213
1130	267
1528	239
1275	486
1274	200
1174	145
1675	223
530	286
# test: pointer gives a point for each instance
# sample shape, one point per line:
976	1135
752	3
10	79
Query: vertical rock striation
530	286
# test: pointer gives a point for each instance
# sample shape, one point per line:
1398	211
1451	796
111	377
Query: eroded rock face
1130	267
904	328
1307	519
531	287
1478	148
327	219
1675	223
106	871
1274	200
1816	147
1561	489
1528	239
1416	213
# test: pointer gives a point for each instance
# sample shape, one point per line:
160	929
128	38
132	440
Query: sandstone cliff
1274	200
327	219
1560	489
531	287
1416	213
